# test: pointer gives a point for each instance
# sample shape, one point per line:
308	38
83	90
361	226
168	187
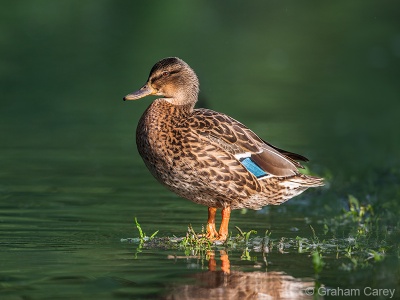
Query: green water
320	79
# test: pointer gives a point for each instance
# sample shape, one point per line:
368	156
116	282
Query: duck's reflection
225	283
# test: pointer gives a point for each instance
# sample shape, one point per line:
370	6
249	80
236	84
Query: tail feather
295	186
308	180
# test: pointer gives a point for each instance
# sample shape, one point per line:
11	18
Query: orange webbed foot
212	233
223	229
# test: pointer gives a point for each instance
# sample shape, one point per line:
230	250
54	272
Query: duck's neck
183	98
186	94
176	107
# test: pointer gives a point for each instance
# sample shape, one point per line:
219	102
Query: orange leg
223	229
211	231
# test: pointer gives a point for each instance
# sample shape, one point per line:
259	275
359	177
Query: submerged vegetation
356	238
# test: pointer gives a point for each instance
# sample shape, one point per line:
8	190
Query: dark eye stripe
173	72
159	76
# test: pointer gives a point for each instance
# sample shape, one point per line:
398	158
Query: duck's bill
146	90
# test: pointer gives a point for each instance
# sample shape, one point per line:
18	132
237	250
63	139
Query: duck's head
173	79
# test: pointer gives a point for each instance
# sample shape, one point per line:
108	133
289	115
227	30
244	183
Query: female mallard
209	157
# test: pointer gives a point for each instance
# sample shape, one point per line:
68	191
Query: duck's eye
165	74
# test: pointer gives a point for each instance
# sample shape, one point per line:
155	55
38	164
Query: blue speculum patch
252	167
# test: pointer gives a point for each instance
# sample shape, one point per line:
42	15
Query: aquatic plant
141	239
353	239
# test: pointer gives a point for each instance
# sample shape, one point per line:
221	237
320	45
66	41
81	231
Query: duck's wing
233	137
292	155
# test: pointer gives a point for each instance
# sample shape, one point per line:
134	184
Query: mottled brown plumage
206	156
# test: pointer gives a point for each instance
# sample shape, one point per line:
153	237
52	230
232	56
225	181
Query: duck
209	157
